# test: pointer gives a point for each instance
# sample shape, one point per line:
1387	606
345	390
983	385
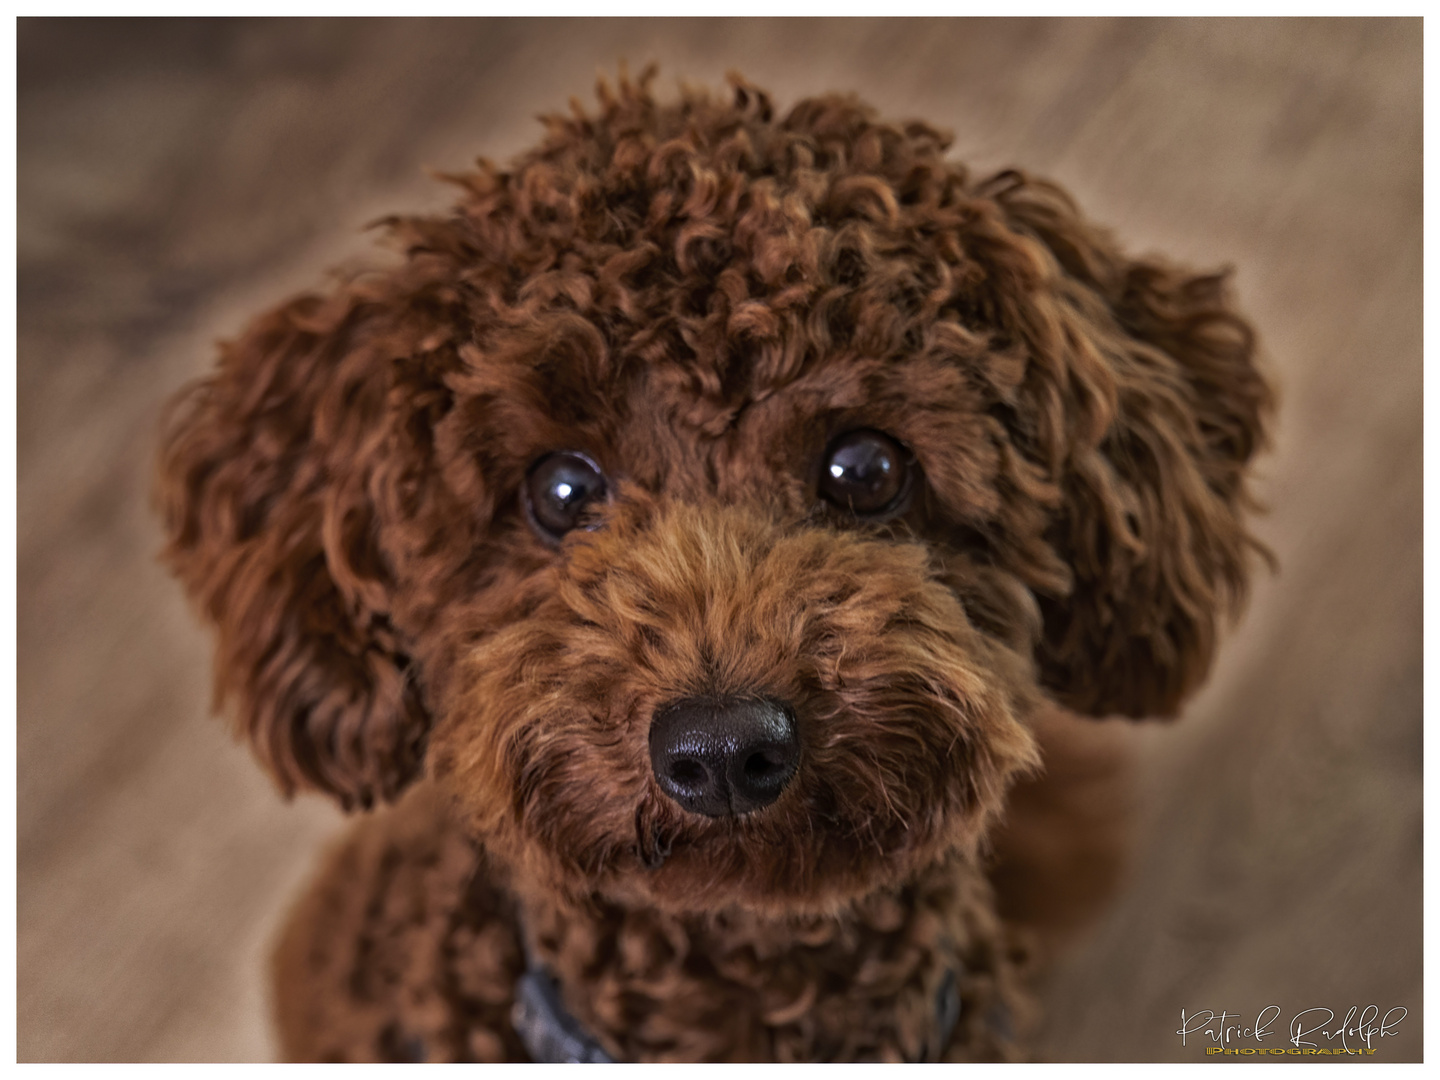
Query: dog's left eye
866	472
559	488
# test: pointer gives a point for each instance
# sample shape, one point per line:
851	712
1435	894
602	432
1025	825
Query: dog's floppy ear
274	474
1148	408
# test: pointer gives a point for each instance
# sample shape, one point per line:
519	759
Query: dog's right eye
558	489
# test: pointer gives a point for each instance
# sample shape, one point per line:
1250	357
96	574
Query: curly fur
700	296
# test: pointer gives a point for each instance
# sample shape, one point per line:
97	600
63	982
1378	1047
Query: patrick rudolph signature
1360	1025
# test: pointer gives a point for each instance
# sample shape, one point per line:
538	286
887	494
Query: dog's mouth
832	820
712	711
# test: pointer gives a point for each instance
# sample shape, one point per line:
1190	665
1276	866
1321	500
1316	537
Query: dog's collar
550	1034
553	1036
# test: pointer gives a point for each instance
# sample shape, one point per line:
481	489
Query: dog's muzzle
724	756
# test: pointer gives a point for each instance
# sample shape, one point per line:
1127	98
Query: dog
700	551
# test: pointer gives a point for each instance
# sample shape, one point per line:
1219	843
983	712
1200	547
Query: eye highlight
866	472
558	490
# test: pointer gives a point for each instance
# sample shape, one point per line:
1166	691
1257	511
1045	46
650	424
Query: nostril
759	766
688	773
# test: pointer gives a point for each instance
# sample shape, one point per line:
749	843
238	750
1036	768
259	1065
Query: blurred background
178	176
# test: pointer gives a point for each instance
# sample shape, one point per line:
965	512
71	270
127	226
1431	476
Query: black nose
719	756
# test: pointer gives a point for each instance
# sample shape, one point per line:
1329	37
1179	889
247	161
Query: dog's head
707	501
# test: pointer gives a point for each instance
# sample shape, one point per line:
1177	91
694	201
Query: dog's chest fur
418	954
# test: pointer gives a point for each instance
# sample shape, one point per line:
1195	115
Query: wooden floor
175	176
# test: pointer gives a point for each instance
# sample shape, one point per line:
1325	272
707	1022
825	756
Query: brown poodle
708	522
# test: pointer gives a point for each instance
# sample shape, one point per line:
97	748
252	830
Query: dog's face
709	500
